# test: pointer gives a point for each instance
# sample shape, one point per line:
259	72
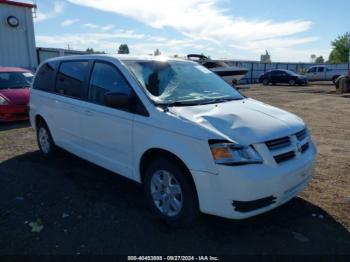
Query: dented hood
244	121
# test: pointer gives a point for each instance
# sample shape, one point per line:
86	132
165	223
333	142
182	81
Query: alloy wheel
166	193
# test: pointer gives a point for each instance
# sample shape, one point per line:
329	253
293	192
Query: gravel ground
85	209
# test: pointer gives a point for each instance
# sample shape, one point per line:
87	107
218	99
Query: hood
244	121
16	96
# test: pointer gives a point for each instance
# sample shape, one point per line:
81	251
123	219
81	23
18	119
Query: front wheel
292	82
44	139
170	192
265	82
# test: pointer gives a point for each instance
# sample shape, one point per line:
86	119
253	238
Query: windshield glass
12	80
180	81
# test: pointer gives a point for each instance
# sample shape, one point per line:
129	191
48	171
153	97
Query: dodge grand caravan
193	141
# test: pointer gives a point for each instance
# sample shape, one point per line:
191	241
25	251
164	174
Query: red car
14	93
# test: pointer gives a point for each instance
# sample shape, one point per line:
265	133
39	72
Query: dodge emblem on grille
299	148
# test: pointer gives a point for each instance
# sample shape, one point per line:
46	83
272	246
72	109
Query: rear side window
321	69
276	73
45	77
106	78
70	78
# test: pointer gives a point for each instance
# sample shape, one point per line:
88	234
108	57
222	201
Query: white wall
17	45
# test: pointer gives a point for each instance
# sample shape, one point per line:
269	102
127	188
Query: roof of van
119	57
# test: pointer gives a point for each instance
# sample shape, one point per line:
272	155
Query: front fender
194	153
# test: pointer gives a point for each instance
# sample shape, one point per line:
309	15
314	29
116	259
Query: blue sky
289	30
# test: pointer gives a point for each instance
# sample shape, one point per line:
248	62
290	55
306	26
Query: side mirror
117	100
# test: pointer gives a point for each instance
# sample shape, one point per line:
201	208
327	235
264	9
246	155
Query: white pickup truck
323	73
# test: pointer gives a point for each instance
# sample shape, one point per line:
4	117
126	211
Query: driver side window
312	70
105	78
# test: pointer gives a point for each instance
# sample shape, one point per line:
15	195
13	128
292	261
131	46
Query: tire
292	82
44	139
334	79
266	82
170	192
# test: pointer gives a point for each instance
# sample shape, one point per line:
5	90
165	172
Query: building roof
16	3
12	69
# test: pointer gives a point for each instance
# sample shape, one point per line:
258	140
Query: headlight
233	154
3	101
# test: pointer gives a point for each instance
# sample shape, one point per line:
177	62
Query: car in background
323	73
14	93
281	76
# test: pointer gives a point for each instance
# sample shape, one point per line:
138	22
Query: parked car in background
14	93
193	141
281	76
323	73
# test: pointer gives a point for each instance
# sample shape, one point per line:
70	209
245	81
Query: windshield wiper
219	100
166	106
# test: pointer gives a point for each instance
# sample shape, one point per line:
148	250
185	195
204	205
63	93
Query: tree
92	51
319	60
123	49
157	52
313	58
341	49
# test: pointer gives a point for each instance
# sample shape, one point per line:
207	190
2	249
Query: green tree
90	50
157	52
319	60
123	49
341	48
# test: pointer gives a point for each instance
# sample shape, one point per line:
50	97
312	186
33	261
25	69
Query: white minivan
193	141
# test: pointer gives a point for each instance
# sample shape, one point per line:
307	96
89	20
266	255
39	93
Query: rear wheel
334	79
170	192
44	139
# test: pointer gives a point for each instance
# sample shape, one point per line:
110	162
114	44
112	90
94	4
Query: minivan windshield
181	82
14	80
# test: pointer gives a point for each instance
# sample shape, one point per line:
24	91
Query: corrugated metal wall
17	45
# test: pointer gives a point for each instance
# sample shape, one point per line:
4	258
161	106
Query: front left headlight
233	154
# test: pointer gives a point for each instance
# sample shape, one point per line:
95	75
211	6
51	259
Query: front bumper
222	194
13	113
302	81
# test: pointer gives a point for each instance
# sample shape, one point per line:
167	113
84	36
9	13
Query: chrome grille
288	147
304	147
278	143
284	157
301	135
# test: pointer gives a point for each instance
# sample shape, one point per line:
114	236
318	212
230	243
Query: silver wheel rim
292	82
166	193
44	140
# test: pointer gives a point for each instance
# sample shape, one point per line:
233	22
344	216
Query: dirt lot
87	210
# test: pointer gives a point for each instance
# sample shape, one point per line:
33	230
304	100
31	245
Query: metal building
17	41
